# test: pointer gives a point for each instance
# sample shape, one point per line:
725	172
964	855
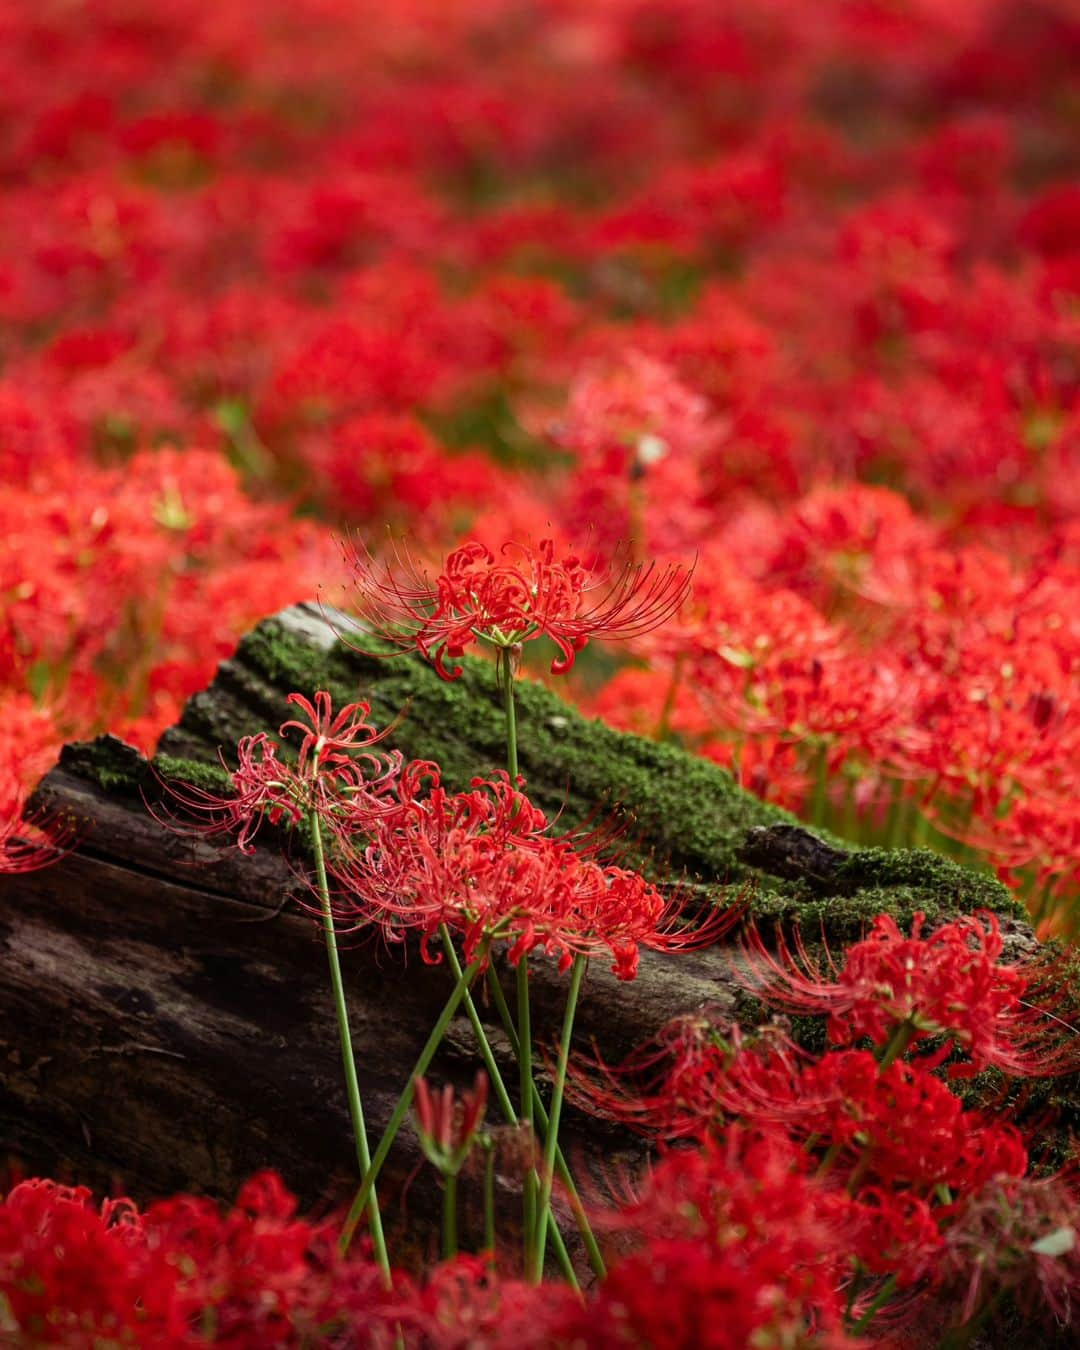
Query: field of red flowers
788	292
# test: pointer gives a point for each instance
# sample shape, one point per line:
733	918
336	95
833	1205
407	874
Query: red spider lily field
717	367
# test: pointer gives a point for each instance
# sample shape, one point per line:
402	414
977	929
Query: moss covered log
166	1016
686	815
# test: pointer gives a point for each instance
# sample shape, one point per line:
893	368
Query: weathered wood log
166	1021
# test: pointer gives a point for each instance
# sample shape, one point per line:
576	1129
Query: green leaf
1058	1243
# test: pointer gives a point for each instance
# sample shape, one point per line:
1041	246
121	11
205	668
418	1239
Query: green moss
844	918
920	871
868	882
687	814
208	777
111	763
287	661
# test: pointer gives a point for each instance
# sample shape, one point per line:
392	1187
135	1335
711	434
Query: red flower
330	740
182	1274
74	1274
894	1233
900	1125
733	1245
466	1304
668	1087
505	603
1020	1234
446	1127
483	863
950	983
336	774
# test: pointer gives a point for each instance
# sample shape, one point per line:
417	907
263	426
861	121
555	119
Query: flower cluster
924	1193
182	1274
524	596
414	307
732	1245
484	863
406	855
950	983
336	774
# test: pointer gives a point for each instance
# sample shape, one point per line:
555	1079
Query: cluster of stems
539	1227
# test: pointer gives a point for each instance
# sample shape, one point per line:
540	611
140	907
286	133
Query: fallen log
166	1019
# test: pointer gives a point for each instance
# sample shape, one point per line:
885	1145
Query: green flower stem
524	1054
352	1086
424	1059
882	1297
551	1138
507	1108
489	1195
901	1039
449	1216
596	1260
533	1108
528	1114
506	675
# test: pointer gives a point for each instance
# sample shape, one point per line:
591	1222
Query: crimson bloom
521	594
183	1274
894	1233
336	773
948	983
483	863
733	1245
28	842
896	1125
446	1126
666	1088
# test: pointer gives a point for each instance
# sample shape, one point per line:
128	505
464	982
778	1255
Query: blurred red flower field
785	292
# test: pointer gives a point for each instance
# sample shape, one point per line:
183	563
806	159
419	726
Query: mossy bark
686	816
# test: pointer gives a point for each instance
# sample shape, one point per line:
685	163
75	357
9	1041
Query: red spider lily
949	983
349	730
482	863
904	1121
31	840
336	775
425	860
666	1088
505	603
69	1269
467	1304
894	1233
899	1125
446	1126
732	1244
1020	1234
73	1274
